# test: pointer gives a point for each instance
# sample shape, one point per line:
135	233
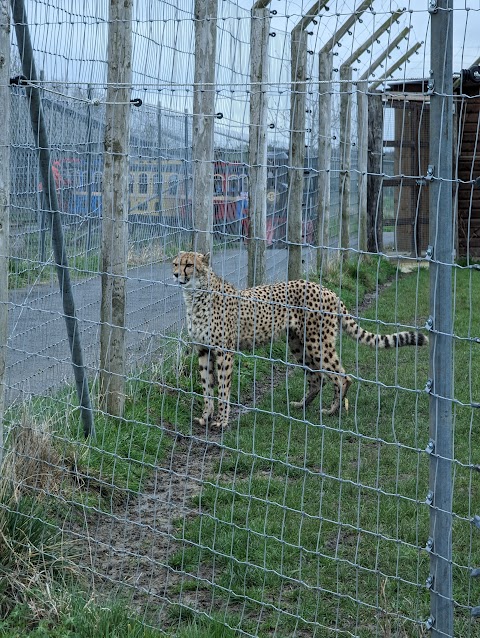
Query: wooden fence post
204	122
115	208
362	124
362	118
324	153
257	146
297	152
345	156
325	63
374	179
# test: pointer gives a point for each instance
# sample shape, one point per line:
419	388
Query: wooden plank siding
411	144
468	170
410	165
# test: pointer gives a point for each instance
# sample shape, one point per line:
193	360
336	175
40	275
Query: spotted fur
222	320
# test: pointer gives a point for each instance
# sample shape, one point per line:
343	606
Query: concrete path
38	359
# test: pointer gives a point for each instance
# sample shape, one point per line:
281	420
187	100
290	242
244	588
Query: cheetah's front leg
205	367
224	378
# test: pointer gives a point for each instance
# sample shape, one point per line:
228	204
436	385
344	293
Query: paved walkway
38	358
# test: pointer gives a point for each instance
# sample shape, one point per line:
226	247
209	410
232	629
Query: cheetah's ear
206	259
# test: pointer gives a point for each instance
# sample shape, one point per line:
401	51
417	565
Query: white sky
70	37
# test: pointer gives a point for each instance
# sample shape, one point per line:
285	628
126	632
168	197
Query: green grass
339	504
309	523
76	615
26	272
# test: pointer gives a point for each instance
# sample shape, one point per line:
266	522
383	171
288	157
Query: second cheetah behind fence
222	319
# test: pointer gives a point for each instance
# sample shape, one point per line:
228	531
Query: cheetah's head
189	269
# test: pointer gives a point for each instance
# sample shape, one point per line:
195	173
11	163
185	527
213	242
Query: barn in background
410	102
467	110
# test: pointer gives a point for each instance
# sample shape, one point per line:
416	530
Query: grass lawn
307	525
317	524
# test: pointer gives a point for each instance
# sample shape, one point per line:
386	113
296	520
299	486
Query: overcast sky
70	39
70	35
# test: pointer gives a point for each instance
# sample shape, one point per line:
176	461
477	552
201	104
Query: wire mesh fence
241	490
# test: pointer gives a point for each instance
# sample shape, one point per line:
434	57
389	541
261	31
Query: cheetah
222	320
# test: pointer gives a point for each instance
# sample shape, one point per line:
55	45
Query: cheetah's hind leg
309	358
341	385
315	383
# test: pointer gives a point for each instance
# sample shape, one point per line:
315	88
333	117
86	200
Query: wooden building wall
410	163
467	111
411	144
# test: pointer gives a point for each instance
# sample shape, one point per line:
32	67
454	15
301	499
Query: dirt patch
132	545
370	297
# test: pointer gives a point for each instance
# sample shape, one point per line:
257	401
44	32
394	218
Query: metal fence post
440	87
4	198
51	202
42	207
160	166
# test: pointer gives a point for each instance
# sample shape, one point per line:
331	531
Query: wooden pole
257	148
362	120
374	178
362	158
325	64
296	152
324	153
385	54
345	155
203	123
297	140
396	65
346	131
4	199
346	26
115	208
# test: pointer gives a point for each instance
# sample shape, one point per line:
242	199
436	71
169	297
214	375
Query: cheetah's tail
398	339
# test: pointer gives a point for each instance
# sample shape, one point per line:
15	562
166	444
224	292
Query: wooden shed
467	112
411	104
411	120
